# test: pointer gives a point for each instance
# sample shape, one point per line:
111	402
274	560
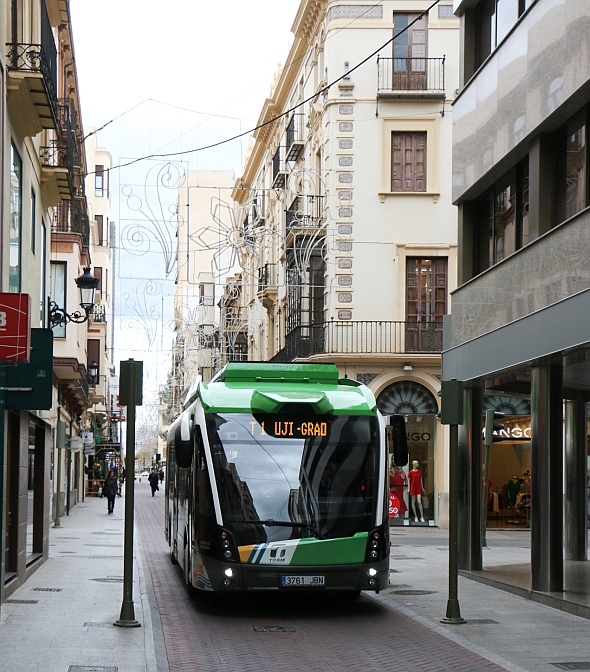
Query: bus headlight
371	571
227	554
230	572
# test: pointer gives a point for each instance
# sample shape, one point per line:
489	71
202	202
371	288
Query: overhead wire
287	112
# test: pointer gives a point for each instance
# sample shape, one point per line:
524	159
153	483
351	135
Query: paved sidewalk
63	615
522	635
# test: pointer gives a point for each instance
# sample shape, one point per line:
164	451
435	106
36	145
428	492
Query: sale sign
394	505
15	327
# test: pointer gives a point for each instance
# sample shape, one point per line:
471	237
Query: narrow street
284	632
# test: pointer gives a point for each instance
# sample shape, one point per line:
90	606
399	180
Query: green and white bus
277	479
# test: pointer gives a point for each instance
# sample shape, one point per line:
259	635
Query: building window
305	289
575	172
57	292
409	52
98	276
99	228
43	284
426	303
14	258
502	216
408	161
33	219
99	180
494	19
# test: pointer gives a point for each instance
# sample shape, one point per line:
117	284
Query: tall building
103	421
519	327
204	256
45	247
349	246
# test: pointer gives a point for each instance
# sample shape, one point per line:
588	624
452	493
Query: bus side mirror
183	443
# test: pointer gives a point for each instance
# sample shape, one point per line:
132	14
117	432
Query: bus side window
203	495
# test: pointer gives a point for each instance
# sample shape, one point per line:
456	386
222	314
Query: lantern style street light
87	285
93	374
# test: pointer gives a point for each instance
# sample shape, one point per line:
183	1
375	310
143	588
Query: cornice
308	17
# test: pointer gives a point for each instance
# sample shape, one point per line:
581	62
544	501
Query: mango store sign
513	433
15	327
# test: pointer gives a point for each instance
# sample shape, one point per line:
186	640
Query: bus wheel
173	559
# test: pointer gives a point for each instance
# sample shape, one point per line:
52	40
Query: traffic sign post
131	396
452	414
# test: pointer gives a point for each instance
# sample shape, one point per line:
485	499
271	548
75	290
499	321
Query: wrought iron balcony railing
418	76
362	337
70	218
305	212
37	58
279	174
99	313
265	277
294	136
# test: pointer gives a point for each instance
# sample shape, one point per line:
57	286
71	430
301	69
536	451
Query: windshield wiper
281	523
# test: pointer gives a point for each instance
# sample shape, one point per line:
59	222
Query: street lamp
87	285
92	374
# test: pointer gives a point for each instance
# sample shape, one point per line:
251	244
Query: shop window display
509	484
413	483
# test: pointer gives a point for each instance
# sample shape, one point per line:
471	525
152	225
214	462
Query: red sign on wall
15	327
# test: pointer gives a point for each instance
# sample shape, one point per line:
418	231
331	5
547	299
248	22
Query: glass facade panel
575	188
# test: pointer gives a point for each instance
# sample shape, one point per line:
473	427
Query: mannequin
416	491
397	483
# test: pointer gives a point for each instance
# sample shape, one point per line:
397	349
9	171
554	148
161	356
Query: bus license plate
303	581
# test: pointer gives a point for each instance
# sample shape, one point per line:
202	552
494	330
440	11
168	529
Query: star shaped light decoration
235	238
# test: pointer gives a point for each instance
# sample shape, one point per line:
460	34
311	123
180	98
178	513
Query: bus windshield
273	472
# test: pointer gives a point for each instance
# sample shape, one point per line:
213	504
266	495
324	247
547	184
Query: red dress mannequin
397	481
415	477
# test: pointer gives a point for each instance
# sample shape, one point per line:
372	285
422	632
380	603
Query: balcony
99	315
411	78
267	285
362	338
57	171
70	218
32	85
305	213
294	137
279	174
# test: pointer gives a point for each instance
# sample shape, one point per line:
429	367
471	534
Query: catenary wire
325	88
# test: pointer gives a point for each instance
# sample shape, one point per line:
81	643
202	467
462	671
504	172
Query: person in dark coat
153	479
109	490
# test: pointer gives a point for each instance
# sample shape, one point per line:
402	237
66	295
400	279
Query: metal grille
90	624
273	628
413	592
91	668
22	601
108	579
572	666
47	590
482	621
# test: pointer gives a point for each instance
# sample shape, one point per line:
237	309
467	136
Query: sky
172	76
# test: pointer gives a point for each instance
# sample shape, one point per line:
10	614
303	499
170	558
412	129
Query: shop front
413	487
509	479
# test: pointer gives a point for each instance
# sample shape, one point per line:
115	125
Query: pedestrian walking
153	479
161	475
109	490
